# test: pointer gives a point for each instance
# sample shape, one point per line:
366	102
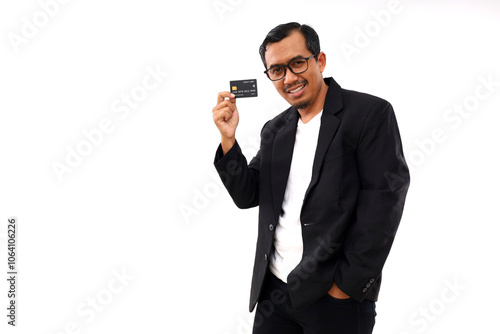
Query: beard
302	104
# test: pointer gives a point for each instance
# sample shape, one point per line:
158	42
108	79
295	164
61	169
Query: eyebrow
294	58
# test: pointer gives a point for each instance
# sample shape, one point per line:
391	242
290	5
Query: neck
306	114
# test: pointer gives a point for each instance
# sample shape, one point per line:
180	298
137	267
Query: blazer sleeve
241	180
384	177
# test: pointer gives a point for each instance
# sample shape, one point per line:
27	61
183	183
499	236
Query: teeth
296	90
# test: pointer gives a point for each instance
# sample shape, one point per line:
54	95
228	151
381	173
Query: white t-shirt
288	236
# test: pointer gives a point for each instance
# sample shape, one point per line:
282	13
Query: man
330	181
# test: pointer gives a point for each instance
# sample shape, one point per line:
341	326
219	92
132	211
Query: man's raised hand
226	119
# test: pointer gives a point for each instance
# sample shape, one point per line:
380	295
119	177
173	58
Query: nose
290	77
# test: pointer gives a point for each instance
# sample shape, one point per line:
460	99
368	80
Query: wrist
227	143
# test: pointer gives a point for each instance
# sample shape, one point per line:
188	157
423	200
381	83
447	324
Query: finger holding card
226	95
226	106
226	118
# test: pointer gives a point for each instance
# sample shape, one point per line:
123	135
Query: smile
297	89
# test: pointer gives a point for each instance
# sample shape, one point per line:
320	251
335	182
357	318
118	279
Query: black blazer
352	207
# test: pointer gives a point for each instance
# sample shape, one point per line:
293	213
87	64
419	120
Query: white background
144	200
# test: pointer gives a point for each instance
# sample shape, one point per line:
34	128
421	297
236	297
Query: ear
322	61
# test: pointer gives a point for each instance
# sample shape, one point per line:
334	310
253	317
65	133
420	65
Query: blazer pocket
338	300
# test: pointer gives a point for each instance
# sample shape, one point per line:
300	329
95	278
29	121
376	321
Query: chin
301	104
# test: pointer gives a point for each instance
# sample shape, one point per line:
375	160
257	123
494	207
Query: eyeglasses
297	66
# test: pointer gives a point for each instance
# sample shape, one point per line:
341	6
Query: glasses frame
288	65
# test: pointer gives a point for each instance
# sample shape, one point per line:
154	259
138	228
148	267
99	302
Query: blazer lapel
282	158
328	129
285	141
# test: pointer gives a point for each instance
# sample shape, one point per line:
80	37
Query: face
300	90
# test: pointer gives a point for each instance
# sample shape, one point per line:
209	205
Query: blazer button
271	227
365	289
368	285
265	257
372	280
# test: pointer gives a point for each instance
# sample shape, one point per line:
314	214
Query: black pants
327	315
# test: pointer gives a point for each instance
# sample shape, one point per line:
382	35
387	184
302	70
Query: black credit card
244	88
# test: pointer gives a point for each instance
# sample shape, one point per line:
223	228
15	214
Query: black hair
284	30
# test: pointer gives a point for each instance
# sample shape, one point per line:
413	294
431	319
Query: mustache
298	83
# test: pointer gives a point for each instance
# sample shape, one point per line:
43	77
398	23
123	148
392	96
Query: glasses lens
276	72
298	66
